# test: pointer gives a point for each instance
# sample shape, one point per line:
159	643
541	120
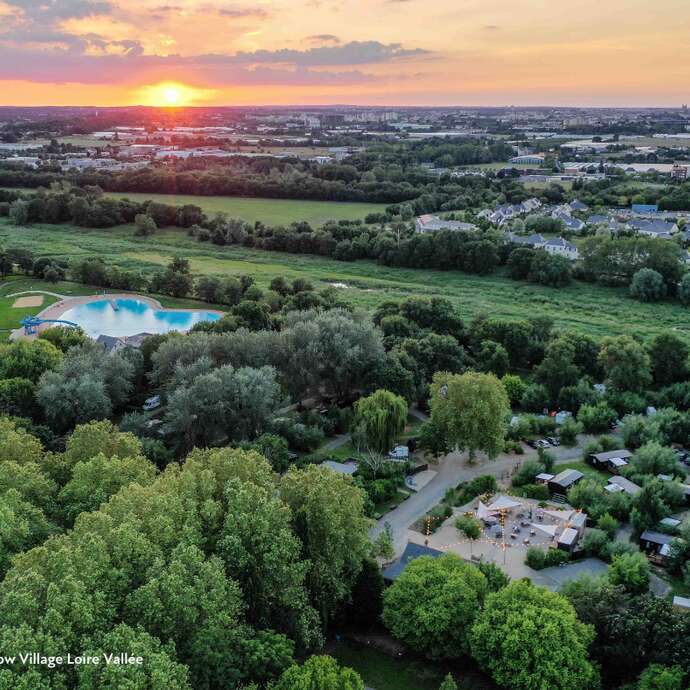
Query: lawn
592	309
589	471
382	672
268	211
10	317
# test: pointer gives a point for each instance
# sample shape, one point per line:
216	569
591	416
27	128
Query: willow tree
470	410
381	416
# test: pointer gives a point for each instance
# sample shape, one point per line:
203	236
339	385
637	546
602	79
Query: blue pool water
126	316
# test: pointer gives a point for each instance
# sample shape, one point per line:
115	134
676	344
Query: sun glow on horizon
171	94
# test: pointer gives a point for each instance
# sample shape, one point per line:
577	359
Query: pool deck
57	309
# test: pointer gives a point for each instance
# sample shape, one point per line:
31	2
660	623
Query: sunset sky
397	52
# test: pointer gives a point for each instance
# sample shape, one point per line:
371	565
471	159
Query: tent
560	514
504	503
549	529
483	511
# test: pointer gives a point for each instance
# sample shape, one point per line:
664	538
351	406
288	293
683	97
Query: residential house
660	229
533	241
597	219
505	212
577	205
562	247
430	223
571	223
644	208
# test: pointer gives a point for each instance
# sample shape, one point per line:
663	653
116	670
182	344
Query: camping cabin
567	541
656	545
612	460
563	481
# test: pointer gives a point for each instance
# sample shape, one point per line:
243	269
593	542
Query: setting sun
171	95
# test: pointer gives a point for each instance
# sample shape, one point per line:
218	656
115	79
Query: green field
10	317
268	211
598	476
592	309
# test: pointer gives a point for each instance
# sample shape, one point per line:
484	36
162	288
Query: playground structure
32	323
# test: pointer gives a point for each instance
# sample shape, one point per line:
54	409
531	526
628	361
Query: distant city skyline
527	53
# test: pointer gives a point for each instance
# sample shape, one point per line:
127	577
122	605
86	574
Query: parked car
531	443
151	403
555	442
543	443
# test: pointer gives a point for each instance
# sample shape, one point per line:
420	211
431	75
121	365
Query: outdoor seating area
510	526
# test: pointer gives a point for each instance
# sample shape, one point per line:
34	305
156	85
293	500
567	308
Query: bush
539	492
469	526
535	398
513	446
607	523
596	542
537	559
684	290
648	285
568	432
466	491
631	570
526	474
515	387
596	418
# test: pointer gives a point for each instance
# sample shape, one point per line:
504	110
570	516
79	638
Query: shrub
539	492
569	431
648	285
535	398
608	524
537	559
515	387
596	542
596	418
526	474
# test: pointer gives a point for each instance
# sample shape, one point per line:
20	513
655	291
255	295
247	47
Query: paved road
451	471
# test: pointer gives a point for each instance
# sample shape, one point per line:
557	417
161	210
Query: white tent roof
483	511
549	529
504	503
560	514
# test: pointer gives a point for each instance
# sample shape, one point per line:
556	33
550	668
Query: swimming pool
129	316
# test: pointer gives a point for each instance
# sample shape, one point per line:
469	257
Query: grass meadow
591	309
268	211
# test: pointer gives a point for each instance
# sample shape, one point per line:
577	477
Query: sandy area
29	301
